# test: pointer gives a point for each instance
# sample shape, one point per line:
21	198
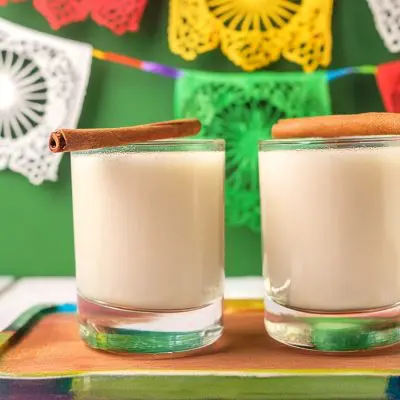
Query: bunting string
170	72
147	66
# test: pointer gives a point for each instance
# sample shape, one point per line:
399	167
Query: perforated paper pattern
388	80
387	20
42	87
241	108
63	12
253	33
120	16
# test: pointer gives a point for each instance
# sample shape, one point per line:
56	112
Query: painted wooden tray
50	362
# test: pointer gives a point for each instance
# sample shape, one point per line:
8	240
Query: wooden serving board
246	364
53	347
49	361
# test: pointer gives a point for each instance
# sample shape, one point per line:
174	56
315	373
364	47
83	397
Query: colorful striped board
49	361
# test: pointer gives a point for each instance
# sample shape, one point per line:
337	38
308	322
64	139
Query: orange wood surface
53	346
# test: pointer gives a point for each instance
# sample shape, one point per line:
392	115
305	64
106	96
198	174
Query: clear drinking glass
149	245
331	241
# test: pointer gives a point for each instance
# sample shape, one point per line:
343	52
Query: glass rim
342	141
175	145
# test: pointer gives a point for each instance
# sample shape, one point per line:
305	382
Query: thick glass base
114	329
333	332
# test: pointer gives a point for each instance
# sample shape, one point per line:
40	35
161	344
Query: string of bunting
40	73
242	107
170	72
252	34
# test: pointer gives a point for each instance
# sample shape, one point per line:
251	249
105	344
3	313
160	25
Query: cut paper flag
388	80
387	21
253	34
241	108
120	16
43	83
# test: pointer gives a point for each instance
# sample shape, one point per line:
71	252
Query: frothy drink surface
331	227
149	228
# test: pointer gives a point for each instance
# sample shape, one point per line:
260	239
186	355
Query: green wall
36	222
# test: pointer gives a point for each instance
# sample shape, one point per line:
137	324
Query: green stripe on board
228	388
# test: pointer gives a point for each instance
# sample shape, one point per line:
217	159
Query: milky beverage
331	227
149	228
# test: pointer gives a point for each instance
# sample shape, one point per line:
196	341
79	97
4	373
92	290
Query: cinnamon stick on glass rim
65	140
332	126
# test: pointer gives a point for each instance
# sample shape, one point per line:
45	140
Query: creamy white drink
149	228
331	227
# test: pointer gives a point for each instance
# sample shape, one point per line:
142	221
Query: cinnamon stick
338	125
64	140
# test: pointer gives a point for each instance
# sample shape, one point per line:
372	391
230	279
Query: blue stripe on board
393	388
36	389
66	308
